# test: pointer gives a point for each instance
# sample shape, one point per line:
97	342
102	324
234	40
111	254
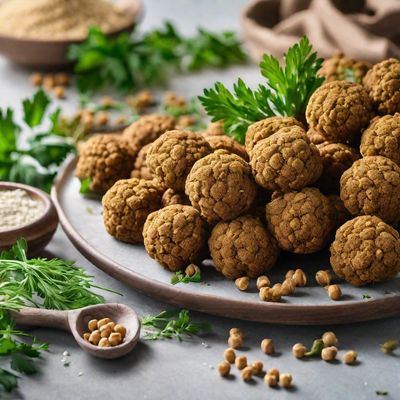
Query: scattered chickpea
334	292
267	346
271	380
120	329
185	121
224	368
87	120
192	269
104	342
61	79
102	118
269	294
299	350
288	287
86	336
102	322
242	283
230	355
92	325
389	346
241	362
263	281
329	353
274	372
107	101
323	277
236	331
247	373
115	339
235	341
120	120
299	278
95	337
277	288
59	92
36	79
289	274
257	367
286	380
350	357
329	339
49	82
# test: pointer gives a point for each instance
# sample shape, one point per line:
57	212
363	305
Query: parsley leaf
85	185
286	92
35	109
181	277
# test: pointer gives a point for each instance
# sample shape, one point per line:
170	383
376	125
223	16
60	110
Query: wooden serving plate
83	223
52	54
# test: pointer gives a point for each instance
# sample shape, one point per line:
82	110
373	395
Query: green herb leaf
35	109
181	277
366	296
9	132
85	185
316	348
8	380
381	393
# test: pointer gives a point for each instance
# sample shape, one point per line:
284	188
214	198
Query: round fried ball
171	157
227	143
104	159
141	170
286	161
300	221
339	110
221	186
382	138
383	85
126	206
242	247
174	236
366	250
266	127
170	197
372	187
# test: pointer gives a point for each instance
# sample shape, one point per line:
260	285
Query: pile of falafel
297	186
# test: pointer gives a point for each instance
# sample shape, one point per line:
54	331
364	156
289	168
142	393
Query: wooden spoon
76	321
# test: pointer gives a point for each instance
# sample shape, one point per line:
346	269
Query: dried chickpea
329	353
286	380
104	342
224	368
191	270
120	120
120	329
329	339
102	118
271	380
241	362
263	281
115	339
299	350
61	79
105	331
236	331
103	321
257	367
323	277
247	373
86	336
265	294
87	120
350	357
229	355
235	341
242	283
277	290
59	92
36	79
288	287
92	325
334	292
289	274
48	81
107	101
267	346
299	278
95	337
274	372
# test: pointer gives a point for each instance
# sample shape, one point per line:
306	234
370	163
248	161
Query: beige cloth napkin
366	30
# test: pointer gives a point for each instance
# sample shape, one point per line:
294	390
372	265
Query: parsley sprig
181	277
172	324
129	62
286	92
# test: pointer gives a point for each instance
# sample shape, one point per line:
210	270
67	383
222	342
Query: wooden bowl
52	54
37	233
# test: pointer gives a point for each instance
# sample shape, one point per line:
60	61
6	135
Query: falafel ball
221	186
146	130
371	186
174	236
141	170
339	110
242	247
336	158
224	142
170	197
366	250
215	129
104	159
126	206
171	157
300	221
286	161
382	138
315	137
266	127
339	214
383	85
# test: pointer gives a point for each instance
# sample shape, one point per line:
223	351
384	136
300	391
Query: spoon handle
41	317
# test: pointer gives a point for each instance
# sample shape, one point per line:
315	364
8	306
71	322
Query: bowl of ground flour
26	212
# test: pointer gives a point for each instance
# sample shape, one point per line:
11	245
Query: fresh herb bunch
286	92
172	324
36	163
129	62
181	277
38	282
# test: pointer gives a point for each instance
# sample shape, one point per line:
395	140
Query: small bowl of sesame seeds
26	212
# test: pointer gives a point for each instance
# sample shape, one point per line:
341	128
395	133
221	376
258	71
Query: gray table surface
173	370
